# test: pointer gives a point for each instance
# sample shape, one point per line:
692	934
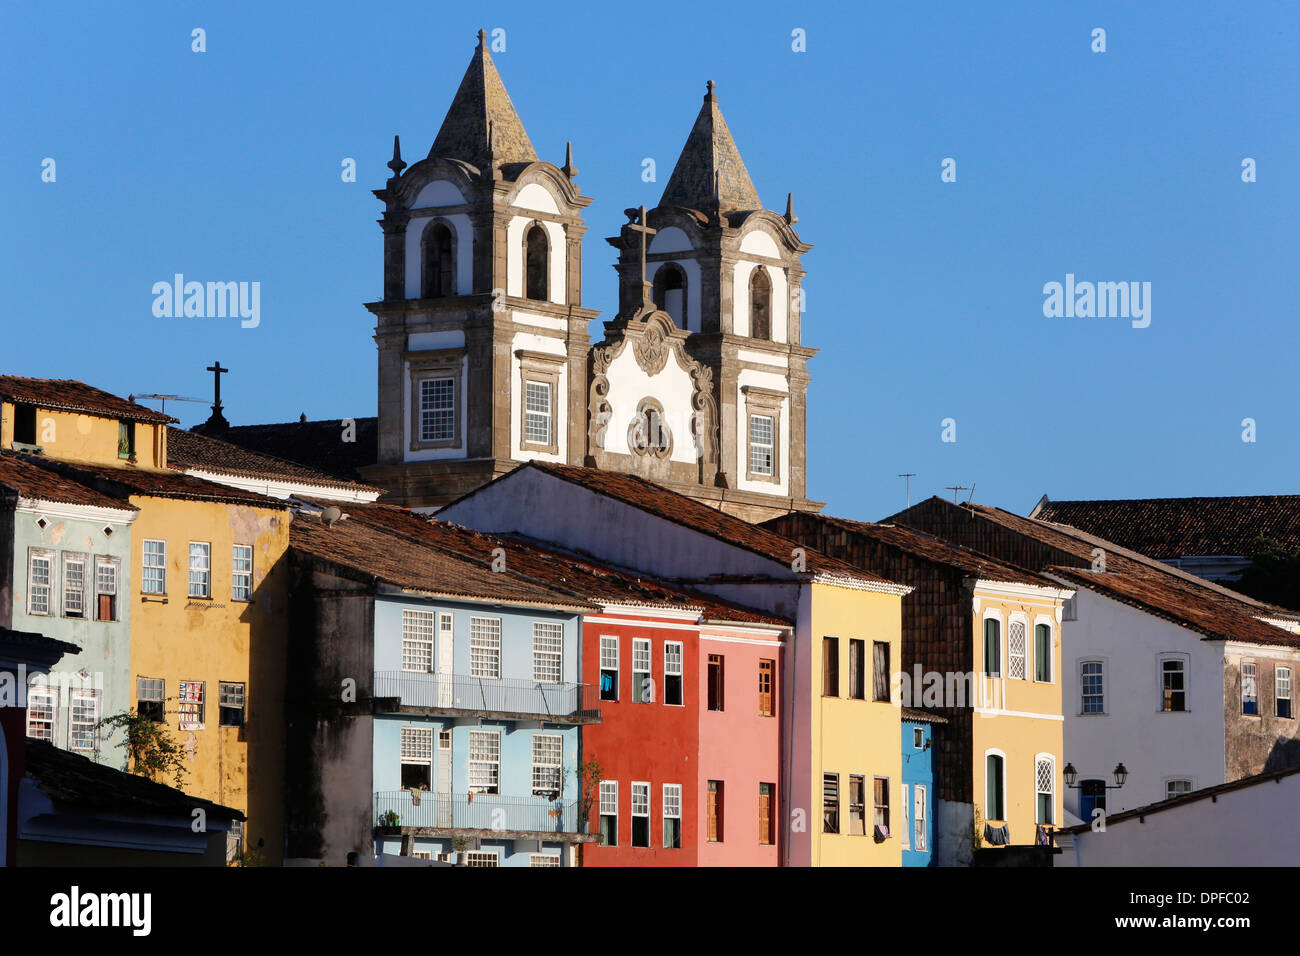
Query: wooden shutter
713	811
765	813
880	659
765	672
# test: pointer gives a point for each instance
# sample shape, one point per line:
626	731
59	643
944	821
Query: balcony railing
487	811
457	692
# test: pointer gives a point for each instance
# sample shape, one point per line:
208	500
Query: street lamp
1072	776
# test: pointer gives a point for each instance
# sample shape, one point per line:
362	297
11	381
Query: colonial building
700	382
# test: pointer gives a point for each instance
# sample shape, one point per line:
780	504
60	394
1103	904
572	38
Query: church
700	382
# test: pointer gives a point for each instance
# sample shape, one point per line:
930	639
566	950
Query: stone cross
646	232
217	371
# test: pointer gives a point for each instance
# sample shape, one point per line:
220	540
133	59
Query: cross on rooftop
640	225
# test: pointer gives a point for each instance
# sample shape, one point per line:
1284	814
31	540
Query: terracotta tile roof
191	450
1140	581
689	513
930	548
119	483
1183	527
317	445
551	566
383	552
924	716
25	475
710	175
69	395
75	782
482	99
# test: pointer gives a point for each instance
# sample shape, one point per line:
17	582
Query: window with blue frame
1249	688
1092	796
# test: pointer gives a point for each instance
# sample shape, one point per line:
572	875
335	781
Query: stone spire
710	175
481	126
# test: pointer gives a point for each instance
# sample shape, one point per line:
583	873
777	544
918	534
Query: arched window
439	277
994	787
670	292
536	253
760	304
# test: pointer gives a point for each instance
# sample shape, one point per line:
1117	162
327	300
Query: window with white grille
920	834
543	859
1016	650
485	647
200	569
417	640
437	409
422	854
548	650
762	449
641	686
548	757
1176	787
190	704
1092	684
484	760
74	585
153	577
1045	777
149	694
672	797
537	413
1282	694
230	703
241	573
640	814
106	589
609	813
40	581
482	858
608	667
83	715
417	745
40	712
673	672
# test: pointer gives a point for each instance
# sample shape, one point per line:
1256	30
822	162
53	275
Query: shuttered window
830	803
766	688
880	670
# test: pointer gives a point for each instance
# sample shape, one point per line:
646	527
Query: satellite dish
331	515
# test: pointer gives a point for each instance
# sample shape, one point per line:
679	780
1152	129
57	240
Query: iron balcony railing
486	811
457	692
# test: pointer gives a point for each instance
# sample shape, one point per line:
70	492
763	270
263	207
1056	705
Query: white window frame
73	602
604	649
438	402
548	652
1050	761
416	746
184	692
920	843
753	446
1024	658
1253	681
48	590
486	771
230	698
485	647
644	647
1191	785
200	550
680	671
1278	681
241	579
44	716
81	725
1186	661
905	832
548	763
672	802
1032	638
482	858
417	640
1006	797
608	804
107	583
543	860
641	788
1083	711
158	566
546	417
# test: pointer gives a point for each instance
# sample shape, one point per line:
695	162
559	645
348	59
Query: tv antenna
907	477
167	398
954	489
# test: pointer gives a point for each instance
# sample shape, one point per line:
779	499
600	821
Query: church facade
700	382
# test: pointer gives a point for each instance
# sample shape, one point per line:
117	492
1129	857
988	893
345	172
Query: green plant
390	819
461	844
154	752
248	858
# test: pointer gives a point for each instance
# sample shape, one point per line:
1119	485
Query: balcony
486	815
457	695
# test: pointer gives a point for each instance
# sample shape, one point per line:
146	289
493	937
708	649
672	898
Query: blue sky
925	297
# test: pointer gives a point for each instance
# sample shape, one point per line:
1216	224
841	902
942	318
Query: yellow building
208	601
981	646
855	638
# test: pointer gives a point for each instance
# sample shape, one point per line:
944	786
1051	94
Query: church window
762	431
539	406
439	277
537	413
760	305
670	292
536	254
649	434
436	389
437	409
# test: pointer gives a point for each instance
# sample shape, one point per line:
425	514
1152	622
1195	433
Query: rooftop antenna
907	486
167	398
972	493
954	489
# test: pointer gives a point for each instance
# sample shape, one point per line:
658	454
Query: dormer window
536	264
760	305
24	424
126	440
439	276
670	292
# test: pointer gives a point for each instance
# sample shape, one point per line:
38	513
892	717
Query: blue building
917	833
457	735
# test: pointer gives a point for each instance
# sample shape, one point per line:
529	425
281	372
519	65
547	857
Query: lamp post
1120	773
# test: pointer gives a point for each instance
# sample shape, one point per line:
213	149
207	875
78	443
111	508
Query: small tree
1273	574
154	753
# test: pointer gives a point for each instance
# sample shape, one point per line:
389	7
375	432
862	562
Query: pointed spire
481	126
790	217
568	168
710	175
396	164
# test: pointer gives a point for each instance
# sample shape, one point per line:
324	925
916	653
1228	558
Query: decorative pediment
654	344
